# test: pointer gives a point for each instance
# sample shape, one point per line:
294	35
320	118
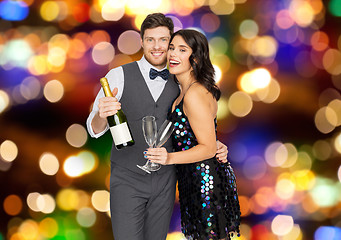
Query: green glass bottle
118	123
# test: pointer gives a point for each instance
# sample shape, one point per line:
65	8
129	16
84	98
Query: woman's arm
200	108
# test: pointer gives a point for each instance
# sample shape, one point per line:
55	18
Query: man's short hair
155	20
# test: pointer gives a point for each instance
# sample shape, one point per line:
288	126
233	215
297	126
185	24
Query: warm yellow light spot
175	236
89	161
32	201
217	73
29	229
282	225
48	227
141	7
337	143
4	101
56	56
258	78
240	104
49	164
67	199
321	120
83	163
113	10
335	106
332	61
270	93
46	203
223	62
77	49
183	8
100	200
265	46
292	155
54	91
139	18
76	135
8	151
49	10
276	154
303	179
73	166
294	234
223	110
225	7
285	189
38	65
302	13
59	41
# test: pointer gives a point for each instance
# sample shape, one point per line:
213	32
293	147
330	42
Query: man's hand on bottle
108	106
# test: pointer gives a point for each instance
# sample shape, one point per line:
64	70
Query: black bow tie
154	73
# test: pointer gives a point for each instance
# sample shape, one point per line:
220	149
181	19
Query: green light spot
335	7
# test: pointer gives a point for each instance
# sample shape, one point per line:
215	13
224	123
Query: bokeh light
53	91
100	200
282	225
13	205
129	42
13	10
240	104
8	151
103	53
76	135
49	164
4	101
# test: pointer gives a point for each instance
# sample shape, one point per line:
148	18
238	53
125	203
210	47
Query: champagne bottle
118	123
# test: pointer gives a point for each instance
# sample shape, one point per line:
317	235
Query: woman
207	189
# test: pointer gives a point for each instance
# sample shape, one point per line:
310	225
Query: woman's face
178	56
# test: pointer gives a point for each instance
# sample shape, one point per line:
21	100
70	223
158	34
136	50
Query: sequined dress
207	190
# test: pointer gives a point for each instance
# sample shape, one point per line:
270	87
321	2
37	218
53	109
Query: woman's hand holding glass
157	155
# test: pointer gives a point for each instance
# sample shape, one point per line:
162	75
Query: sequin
207	190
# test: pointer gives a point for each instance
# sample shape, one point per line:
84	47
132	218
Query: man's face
155	45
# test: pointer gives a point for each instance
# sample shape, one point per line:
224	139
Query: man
141	204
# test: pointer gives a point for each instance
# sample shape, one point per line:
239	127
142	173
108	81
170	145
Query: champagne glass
161	137
149	129
164	133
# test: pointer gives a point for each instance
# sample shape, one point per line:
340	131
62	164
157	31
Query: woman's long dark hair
200	59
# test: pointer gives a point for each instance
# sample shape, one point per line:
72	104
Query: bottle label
121	133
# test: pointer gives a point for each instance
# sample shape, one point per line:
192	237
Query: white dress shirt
116	79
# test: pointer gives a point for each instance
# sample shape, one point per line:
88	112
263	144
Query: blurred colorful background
278	64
